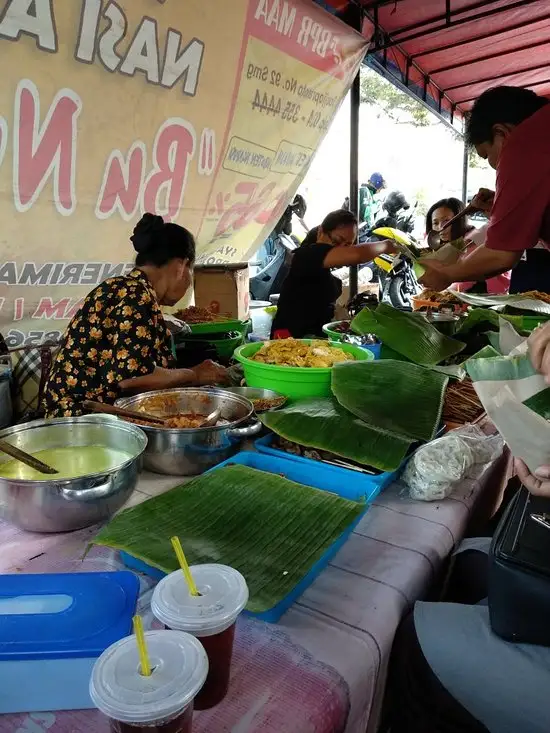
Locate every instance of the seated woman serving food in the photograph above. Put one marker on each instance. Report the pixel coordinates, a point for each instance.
(118, 340)
(310, 291)
(438, 216)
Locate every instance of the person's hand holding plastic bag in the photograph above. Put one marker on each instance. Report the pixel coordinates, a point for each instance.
(539, 350)
(538, 483)
(515, 396)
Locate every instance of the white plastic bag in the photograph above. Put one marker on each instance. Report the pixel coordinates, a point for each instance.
(507, 385)
(436, 469)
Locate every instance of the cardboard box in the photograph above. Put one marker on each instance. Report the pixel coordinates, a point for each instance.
(223, 289)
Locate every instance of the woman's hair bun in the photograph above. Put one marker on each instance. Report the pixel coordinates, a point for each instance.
(147, 231)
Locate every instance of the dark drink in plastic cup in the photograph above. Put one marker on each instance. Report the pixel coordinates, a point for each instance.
(159, 703)
(182, 724)
(210, 617)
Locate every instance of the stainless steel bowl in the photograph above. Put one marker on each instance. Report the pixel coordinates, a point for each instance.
(256, 393)
(189, 452)
(446, 323)
(62, 505)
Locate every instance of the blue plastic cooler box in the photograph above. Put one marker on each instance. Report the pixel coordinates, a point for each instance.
(323, 477)
(52, 629)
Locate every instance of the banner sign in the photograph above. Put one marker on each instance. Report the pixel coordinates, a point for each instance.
(206, 112)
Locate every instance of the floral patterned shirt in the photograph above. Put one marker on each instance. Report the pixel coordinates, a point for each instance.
(118, 333)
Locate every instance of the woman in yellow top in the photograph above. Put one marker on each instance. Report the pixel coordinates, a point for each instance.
(118, 340)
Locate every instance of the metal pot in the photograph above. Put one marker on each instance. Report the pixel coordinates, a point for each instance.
(51, 505)
(446, 323)
(257, 393)
(189, 452)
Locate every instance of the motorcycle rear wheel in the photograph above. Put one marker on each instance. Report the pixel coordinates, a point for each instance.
(398, 293)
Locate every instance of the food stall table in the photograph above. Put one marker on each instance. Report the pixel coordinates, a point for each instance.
(322, 668)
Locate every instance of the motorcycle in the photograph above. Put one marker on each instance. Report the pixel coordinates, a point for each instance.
(398, 281)
(270, 266)
(395, 274)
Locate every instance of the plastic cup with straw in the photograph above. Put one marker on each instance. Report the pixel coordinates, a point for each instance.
(149, 681)
(184, 565)
(145, 665)
(210, 615)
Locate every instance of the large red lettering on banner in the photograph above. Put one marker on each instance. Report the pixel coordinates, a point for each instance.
(172, 153)
(121, 187)
(41, 151)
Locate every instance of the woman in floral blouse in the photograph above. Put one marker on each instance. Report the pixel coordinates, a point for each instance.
(118, 340)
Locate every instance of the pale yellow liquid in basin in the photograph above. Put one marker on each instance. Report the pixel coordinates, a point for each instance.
(69, 462)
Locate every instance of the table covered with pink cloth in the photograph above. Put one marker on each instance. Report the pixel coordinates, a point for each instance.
(322, 668)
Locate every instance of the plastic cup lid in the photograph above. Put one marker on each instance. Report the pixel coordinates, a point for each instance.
(223, 595)
(121, 692)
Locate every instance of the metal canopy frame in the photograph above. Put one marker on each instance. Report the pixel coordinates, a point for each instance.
(436, 50)
(470, 27)
(445, 20)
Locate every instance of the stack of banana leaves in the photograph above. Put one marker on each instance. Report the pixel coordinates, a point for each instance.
(379, 409)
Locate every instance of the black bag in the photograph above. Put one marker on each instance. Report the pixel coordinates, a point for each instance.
(519, 573)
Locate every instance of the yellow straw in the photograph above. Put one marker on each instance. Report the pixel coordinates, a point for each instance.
(176, 544)
(142, 647)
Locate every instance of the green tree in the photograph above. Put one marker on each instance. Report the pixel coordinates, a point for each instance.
(398, 106)
(403, 109)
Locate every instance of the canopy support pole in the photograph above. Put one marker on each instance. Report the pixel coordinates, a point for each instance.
(465, 166)
(355, 103)
(356, 21)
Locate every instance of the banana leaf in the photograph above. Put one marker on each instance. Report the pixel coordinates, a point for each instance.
(407, 333)
(325, 425)
(454, 371)
(540, 403)
(486, 367)
(387, 352)
(485, 317)
(404, 400)
(487, 352)
(269, 528)
(517, 301)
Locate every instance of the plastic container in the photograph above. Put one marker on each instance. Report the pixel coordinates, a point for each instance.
(355, 485)
(210, 617)
(161, 702)
(53, 627)
(217, 327)
(375, 349)
(335, 336)
(296, 383)
(456, 306)
(323, 478)
(261, 318)
(224, 343)
(445, 323)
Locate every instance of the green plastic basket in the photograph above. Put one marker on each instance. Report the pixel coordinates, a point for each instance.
(217, 327)
(295, 383)
(226, 347)
(224, 343)
(333, 335)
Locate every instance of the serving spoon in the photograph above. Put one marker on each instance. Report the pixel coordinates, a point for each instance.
(26, 458)
(104, 408)
(212, 419)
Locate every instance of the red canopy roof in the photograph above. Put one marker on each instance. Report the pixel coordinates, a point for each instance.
(453, 50)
